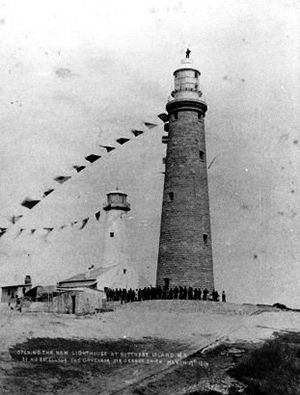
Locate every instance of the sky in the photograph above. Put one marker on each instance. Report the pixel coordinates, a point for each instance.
(77, 74)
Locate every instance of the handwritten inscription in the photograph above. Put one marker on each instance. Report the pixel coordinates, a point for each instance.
(105, 357)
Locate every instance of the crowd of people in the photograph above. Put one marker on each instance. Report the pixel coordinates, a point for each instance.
(151, 293)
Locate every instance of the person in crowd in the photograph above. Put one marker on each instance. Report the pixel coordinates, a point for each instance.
(176, 290)
(152, 293)
(180, 292)
(139, 295)
(205, 293)
(199, 294)
(195, 293)
(212, 295)
(223, 296)
(159, 292)
(185, 292)
(217, 296)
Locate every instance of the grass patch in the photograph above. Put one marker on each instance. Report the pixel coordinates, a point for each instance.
(272, 369)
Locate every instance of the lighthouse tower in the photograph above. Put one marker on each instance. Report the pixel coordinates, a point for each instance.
(115, 257)
(185, 248)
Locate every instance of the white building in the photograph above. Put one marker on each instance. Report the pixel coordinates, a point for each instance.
(115, 270)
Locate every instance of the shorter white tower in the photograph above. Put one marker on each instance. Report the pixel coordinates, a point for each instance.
(116, 254)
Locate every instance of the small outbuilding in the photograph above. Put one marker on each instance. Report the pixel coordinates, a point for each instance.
(11, 292)
(78, 301)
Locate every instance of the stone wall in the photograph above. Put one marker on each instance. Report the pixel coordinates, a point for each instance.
(86, 302)
(185, 251)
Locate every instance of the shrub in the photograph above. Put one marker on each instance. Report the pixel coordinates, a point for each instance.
(273, 369)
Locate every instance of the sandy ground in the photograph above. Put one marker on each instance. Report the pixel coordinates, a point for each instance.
(186, 326)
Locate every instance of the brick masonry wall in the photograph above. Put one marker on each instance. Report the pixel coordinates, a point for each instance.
(184, 256)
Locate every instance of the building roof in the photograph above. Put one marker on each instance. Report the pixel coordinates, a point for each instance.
(16, 286)
(186, 64)
(40, 290)
(63, 290)
(89, 276)
(117, 191)
(75, 284)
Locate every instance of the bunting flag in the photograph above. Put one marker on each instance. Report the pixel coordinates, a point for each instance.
(2, 231)
(150, 125)
(97, 215)
(46, 193)
(122, 140)
(62, 179)
(79, 168)
(29, 203)
(107, 147)
(163, 117)
(136, 132)
(49, 230)
(92, 158)
(84, 222)
(32, 231)
(15, 218)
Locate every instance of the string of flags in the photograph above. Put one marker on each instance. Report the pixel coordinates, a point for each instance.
(91, 158)
(31, 231)
(61, 179)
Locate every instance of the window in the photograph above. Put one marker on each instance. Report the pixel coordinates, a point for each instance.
(200, 115)
(24, 290)
(124, 271)
(201, 155)
(205, 238)
(8, 292)
(196, 74)
(171, 195)
(112, 234)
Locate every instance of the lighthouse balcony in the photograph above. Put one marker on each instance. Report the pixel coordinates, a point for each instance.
(185, 102)
(116, 206)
